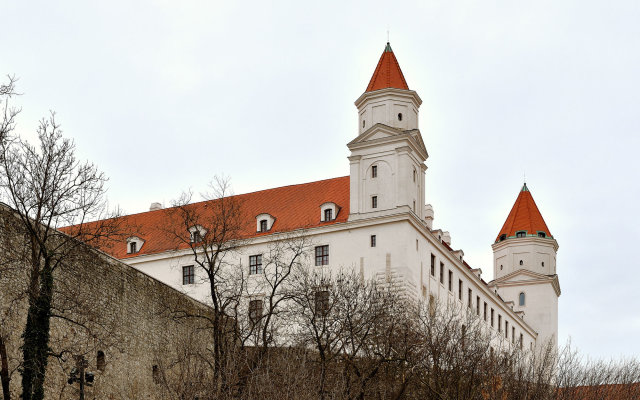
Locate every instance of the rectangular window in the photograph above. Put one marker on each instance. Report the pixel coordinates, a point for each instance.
(469, 297)
(133, 247)
(506, 329)
(196, 237)
(374, 201)
(499, 323)
(442, 273)
(255, 264)
(460, 289)
(450, 281)
(322, 255)
(513, 334)
(492, 317)
(328, 214)
(373, 240)
(477, 305)
(263, 225)
(322, 302)
(521, 340)
(485, 311)
(433, 265)
(374, 171)
(188, 276)
(255, 310)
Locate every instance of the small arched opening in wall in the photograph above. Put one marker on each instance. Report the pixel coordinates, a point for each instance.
(100, 361)
(521, 299)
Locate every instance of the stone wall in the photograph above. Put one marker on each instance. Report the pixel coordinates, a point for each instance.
(103, 306)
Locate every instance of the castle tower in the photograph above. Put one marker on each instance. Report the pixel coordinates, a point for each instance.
(524, 267)
(388, 155)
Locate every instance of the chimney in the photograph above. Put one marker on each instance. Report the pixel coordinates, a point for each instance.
(446, 237)
(428, 215)
(155, 207)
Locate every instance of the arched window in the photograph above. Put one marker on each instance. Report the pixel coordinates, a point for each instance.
(521, 263)
(100, 362)
(521, 299)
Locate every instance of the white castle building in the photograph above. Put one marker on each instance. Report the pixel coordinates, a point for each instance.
(376, 221)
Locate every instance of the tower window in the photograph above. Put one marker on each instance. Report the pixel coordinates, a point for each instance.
(503, 237)
(322, 255)
(255, 264)
(469, 298)
(399, 116)
(521, 299)
(521, 234)
(363, 123)
(373, 240)
(374, 171)
(263, 225)
(442, 273)
(374, 201)
(433, 265)
(414, 174)
(543, 264)
(501, 267)
(542, 234)
(188, 276)
(521, 263)
(328, 214)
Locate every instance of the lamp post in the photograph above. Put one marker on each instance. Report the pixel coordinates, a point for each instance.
(78, 374)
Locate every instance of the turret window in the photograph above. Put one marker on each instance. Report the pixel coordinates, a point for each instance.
(503, 237)
(521, 234)
(521, 299)
(399, 116)
(521, 262)
(542, 234)
(543, 264)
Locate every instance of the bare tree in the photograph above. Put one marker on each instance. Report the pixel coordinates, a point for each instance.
(47, 188)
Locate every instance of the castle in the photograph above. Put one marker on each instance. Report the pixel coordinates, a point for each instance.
(375, 221)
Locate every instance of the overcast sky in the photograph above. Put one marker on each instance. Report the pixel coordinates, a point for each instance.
(164, 95)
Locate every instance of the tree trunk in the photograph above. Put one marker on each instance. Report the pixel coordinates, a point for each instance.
(4, 371)
(36, 338)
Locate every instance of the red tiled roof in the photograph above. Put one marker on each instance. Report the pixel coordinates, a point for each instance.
(387, 73)
(524, 216)
(293, 207)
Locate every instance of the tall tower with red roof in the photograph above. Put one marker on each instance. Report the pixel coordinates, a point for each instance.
(388, 155)
(524, 267)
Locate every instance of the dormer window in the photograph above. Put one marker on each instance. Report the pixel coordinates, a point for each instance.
(503, 237)
(542, 234)
(196, 234)
(521, 234)
(374, 171)
(264, 222)
(328, 212)
(134, 244)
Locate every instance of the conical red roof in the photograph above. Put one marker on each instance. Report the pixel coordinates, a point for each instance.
(524, 216)
(387, 73)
